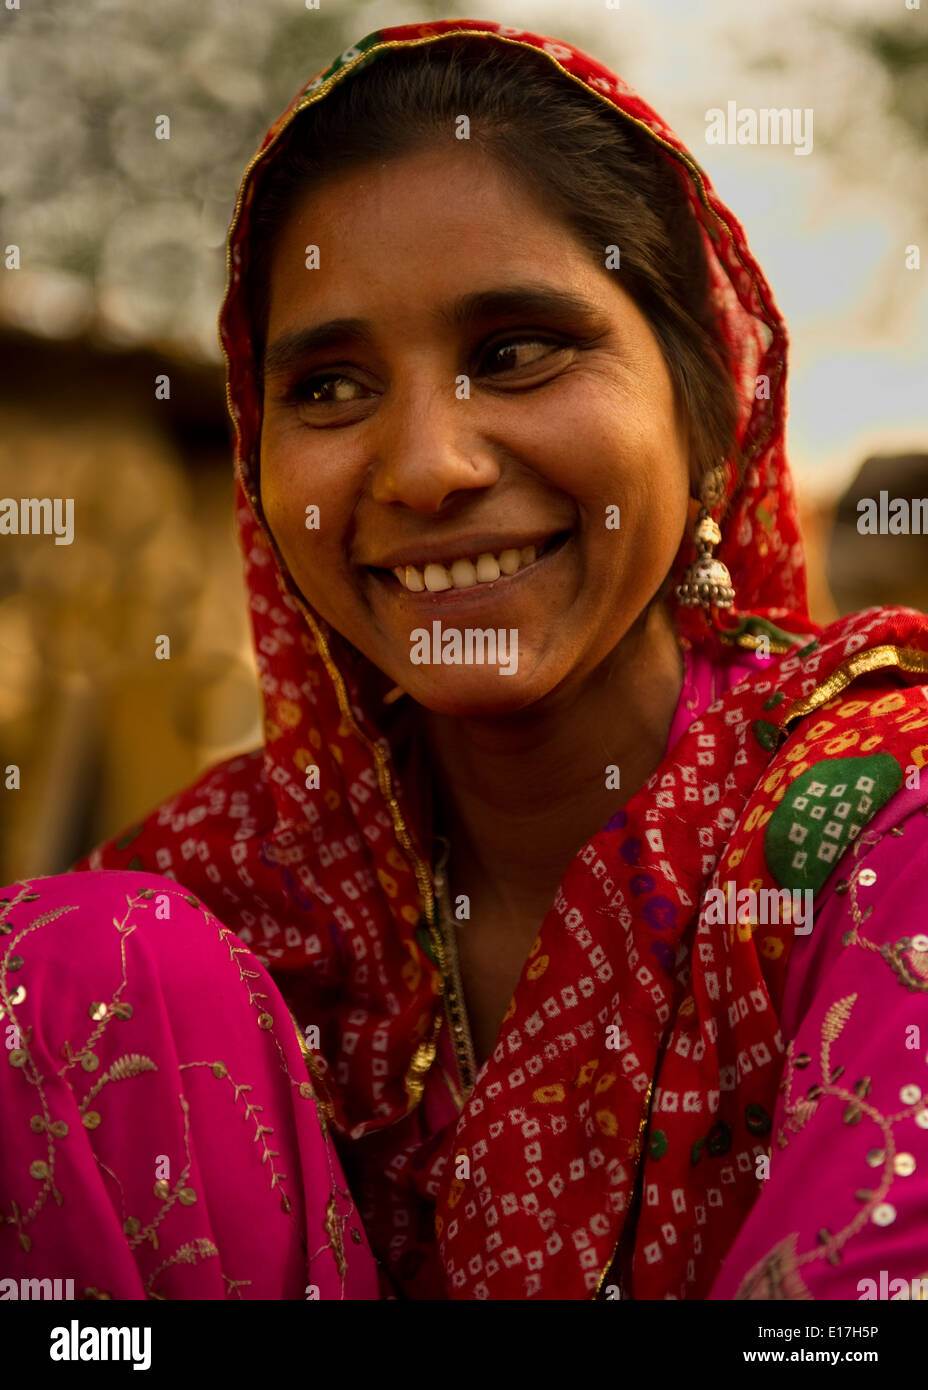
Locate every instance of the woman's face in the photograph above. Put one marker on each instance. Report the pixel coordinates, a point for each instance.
(457, 378)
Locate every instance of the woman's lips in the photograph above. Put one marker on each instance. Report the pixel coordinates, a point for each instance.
(464, 572)
(480, 590)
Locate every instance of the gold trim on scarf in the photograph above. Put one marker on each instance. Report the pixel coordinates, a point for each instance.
(751, 642)
(639, 1144)
(873, 659)
(427, 1051)
(461, 1034)
(419, 1067)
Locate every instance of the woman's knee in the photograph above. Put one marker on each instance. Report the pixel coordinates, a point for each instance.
(87, 948)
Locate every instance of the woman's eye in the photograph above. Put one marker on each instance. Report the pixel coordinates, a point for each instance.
(330, 389)
(518, 352)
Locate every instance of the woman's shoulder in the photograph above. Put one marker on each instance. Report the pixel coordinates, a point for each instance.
(231, 798)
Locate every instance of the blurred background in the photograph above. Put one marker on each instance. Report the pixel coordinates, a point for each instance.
(120, 276)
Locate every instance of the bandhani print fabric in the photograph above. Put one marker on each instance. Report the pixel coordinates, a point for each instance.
(700, 1040)
(615, 1136)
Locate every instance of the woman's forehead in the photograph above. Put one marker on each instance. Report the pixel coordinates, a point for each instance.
(448, 228)
(455, 184)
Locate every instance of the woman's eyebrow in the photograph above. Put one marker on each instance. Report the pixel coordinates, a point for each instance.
(289, 349)
(541, 300)
(546, 301)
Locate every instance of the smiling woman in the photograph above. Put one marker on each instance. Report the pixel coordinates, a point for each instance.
(508, 392)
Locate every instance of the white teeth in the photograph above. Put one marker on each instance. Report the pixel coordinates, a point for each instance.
(487, 568)
(436, 578)
(465, 573)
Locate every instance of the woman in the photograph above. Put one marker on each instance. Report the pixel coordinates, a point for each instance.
(575, 849)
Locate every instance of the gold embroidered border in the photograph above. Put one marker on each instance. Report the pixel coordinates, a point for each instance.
(874, 659)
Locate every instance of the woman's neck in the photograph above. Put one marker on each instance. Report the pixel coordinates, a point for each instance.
(519, 797)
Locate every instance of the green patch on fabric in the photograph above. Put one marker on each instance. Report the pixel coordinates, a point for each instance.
(757, 1119)
(767, 734)
(345, 58)
(753, 626)
(776, 698)
(130, 835)
(808, 649)
(657, 1146)
(136, 863)
(719, 1141)
(822, 814)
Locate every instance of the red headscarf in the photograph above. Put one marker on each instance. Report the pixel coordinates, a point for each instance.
(630, 1004)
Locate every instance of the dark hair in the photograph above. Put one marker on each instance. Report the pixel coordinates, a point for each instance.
(604, 178)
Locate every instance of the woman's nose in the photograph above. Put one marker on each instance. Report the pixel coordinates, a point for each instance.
(428, 447)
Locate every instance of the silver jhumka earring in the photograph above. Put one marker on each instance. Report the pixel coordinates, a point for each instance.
(707, 582)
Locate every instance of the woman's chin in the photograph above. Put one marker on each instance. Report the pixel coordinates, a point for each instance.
(477, 692)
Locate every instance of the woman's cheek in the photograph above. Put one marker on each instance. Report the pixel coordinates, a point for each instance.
(288, 515)
(307, 525)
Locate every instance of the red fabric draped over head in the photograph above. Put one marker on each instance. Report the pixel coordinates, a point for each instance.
(332, 889)
(321, 708)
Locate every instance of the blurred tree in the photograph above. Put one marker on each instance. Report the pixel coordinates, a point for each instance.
(904, 55)
(868, 83)
(121, 234)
